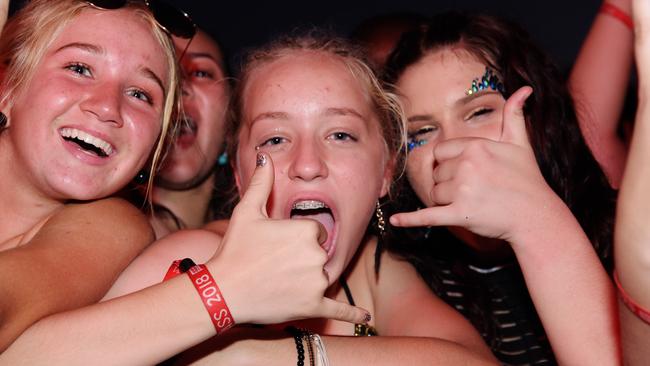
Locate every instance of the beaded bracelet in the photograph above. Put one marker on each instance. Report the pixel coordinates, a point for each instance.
(297, 337)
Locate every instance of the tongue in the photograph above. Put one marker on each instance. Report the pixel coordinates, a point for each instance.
(325, 218)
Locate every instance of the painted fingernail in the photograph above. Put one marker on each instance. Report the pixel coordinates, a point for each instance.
(367, 318)
(261, 160)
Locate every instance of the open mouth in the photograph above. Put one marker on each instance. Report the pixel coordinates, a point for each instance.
(86, 142)
(187, 126)
(319, 211)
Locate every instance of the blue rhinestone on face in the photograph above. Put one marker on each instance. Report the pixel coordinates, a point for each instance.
(488, 80)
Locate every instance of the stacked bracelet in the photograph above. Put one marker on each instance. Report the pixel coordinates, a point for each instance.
(297, 337)
(618, 13)
(207, 288)
(315, 347)
(321, 354)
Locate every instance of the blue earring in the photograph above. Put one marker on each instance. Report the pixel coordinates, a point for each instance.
(223, 159)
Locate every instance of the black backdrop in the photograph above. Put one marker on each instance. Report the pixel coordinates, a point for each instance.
(559, 26)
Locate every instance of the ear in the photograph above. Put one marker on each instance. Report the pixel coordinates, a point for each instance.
(235, 172)
(5, 106)
(387, 179)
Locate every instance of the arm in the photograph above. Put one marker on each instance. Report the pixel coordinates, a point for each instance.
(495, 190)
(64, 265)
(598, 84)
(632, 235)
(415, 327)
(151, 325)
(267, 347)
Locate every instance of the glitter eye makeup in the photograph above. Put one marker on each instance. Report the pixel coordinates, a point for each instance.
(489, 80)
(414, 142)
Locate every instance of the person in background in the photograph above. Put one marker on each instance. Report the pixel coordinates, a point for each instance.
(379, 34)
(195, 180)
(598, 84)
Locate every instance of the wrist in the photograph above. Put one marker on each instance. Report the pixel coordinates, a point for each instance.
(547, 218)
(618, 10)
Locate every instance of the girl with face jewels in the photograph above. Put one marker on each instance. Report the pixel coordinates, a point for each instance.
(518, 210)
(85, 106)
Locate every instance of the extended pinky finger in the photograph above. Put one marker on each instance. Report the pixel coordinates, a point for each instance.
(430, 216)
(332, 309)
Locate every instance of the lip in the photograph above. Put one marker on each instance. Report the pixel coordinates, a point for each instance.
(83, 155)
(187, 136)
(330, 243)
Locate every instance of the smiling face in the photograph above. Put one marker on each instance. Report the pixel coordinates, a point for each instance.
(308, 112)
(205, 97)
(439, 108)
(87, 121)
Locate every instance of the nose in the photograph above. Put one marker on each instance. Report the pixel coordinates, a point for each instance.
(307, 162)
(104, 102)
(186, 88)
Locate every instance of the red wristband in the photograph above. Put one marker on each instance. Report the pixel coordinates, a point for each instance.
(173, 271)
(616, 12)
(635, 308)
(214, 302)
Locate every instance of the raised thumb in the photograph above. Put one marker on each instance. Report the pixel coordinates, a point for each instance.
(514, 122)
(258, 190)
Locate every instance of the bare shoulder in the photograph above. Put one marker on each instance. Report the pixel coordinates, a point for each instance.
(114, 217)
(151, 266)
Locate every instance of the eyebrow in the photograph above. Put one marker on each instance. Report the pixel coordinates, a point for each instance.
(271, 115)
(420, 118)
(94, 49)
(343, 112)
(202, 55)
(83, 46)
(468, 98)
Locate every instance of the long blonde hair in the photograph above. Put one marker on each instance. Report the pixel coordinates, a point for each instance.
(29, 33)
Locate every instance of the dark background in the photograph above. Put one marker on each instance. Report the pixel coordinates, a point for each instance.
(559, 26)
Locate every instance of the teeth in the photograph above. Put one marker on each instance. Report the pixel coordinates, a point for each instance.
(87, 138)
(309, 205)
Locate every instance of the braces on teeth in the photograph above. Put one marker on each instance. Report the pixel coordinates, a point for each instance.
(309, 205)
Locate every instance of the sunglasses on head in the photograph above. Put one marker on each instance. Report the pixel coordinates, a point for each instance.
(172, 20)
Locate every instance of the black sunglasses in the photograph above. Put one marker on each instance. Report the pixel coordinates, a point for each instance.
(172, 20)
